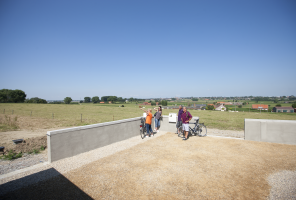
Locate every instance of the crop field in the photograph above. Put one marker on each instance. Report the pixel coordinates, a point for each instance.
(22, 116)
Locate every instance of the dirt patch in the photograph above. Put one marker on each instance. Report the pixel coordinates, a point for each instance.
(32, 139)
(28, 145)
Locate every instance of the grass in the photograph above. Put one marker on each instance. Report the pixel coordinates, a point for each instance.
(8, 123)
(11, 155)
(70, 115)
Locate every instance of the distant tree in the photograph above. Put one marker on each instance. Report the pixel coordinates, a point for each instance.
(113, 99)
(12, 96)
(194, 99)
(95, 99)
(175, 99)
(104, 98)
(86, 99)
(119, 99)
(131, 99)
(278, 105)
(294, 105)
(275, 101)
(240, 106)
(244, 103)
(210, 107)
(81, 101)
(67, 100)
(164, 102)
(35, 100)
(292, 97)
(153, 103)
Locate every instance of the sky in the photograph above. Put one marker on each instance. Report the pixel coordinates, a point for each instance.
(54, 49)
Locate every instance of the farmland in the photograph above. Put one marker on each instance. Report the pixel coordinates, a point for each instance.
(47, 116)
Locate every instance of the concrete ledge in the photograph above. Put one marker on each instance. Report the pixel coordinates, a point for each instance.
(72, 141)
(266, 130)
(91, 126)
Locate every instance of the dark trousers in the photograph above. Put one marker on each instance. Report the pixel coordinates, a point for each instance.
(148, 128)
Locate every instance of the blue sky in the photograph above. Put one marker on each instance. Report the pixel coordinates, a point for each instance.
(52, 49)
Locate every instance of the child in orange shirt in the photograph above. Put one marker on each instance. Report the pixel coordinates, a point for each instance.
(148, 122)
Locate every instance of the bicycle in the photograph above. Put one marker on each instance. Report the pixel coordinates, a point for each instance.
(142, 128)
(199, 129)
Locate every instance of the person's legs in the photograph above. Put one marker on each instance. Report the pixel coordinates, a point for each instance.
(150, 127)
(158, 125)
(147, 129)
(186, 130)
(155, 124)
(179, 124)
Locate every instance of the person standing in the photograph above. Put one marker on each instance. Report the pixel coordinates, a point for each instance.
(148, 122)
(179, 122)
(186, 117)
(157, 118)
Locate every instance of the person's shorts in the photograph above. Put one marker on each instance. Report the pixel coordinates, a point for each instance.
(178, 124)
(185, 127)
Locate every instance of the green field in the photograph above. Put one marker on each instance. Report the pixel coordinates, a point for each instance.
(63, 115)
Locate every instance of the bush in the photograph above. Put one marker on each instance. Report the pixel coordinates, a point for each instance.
(164, 103)
(153, 103)
(95, 99)
(210, 107)
(67, 100)
(122, 105)
(278, 105)
(35, 100)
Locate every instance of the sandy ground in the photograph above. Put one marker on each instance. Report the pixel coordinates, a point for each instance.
(169, 168)
(34, 139)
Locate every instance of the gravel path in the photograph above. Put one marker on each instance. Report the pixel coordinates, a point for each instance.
(283, 185)
(7, 166)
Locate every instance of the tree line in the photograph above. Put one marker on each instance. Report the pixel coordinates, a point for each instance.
(12, 96)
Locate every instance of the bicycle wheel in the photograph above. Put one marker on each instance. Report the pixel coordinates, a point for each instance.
(142, 132)
(202, 131)
(142, 129)
(180, 131)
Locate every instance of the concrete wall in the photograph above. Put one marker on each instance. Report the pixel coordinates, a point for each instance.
(277, 131)
(70, 142)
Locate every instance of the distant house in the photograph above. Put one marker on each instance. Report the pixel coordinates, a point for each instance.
(220, 107)
(260, 106)
(228, 103)
(102, 102)
(146, 103)
(283, 109)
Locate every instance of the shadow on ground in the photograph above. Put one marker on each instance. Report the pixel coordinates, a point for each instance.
(28, 187)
